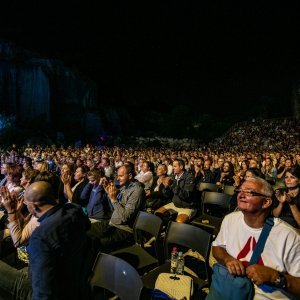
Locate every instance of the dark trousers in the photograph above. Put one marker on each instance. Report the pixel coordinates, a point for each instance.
(108, 238)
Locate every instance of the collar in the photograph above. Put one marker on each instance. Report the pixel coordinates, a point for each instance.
(50, 212)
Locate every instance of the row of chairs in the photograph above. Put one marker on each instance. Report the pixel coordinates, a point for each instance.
(130, 270)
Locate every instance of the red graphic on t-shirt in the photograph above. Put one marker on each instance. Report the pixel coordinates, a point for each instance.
(246, 250)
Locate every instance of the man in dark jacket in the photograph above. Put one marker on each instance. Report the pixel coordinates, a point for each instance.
(60, 255)
(183, 188)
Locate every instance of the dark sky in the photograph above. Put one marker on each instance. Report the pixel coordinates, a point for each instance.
(161, 54)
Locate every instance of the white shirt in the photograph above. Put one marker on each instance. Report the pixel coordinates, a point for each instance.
(281, 252)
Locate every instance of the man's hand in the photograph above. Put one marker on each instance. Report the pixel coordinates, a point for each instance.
(260, 274)
(235, 267)
(112, 192)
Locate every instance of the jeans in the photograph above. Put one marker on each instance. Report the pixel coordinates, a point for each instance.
(14, 284)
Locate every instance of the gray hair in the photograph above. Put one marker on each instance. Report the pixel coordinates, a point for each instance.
(266, 186)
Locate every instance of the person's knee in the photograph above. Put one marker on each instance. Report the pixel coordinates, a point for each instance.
(182, 218)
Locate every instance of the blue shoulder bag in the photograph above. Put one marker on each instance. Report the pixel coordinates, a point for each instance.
(226, 286)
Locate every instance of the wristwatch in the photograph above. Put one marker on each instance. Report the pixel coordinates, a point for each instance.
(280, 281)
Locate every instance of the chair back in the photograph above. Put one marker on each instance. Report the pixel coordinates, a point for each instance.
(116, 275)
(205, 186)
(229, 190)
(216, 204)
(191, 237)
(147, 222)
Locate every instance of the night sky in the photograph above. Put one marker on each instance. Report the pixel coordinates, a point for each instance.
(158, 54)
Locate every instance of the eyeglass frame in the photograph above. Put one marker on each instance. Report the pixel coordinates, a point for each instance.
(251, 193)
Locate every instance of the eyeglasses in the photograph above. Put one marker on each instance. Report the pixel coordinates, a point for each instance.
(250, 193)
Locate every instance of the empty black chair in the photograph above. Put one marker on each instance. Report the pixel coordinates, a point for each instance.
(137, 255)
(117, 276)
(214, 207)
(188, 237)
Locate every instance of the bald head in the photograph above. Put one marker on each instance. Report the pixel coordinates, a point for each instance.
(40, 192)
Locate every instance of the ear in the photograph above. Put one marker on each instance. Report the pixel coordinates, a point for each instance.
(267, 202)
(36, 206)
(130, 176)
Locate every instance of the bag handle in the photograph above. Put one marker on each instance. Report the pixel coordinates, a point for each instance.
(261, 241)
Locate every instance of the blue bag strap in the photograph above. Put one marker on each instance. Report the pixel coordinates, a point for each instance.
(261, 241)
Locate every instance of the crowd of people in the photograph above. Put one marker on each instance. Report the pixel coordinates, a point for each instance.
(49, 192)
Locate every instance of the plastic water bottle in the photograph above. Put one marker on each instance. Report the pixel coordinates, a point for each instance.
(180, 264)
(174, 257)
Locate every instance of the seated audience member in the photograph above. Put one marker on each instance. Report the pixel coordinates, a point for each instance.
(4, 169)
(14, 174)
(250, 173)
(226, 174)
(94, 196)
(207, 174)
(126, 203)
(67, 171)
(108, 170)
(57, 249)
(196, 170)
(287, 201)
(74, 192)
(27, 163)
(183, 189)
(158, 195)
(218, 170)
(279, 264)
(281, 171)
(269, 171)
(168, 163)
(145, 176)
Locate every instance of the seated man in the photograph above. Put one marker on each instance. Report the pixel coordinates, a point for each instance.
(125, 204)
(183, 189)
(59, 251)
(279, 264)
(95, 196)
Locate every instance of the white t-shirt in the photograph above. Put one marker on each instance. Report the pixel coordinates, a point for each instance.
(281, 252)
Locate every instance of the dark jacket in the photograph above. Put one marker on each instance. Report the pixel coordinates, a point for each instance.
(97, 201)
(57, 252)
(184, 190)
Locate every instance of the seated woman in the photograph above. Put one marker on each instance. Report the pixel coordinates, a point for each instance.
(67, 172)
(74, 192)
(156, 195)
(269, 170)
(287, 201)
(19, 223)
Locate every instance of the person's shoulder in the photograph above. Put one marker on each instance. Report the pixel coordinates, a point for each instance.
(285, 228)
(233, 216)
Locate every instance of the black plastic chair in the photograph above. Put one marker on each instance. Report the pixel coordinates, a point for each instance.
(229, 190)
(205, 186)
(117, 276)
(137, 255)
(188, 237)
(214, 207)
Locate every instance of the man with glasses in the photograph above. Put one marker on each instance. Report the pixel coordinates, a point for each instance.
(279, 264)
